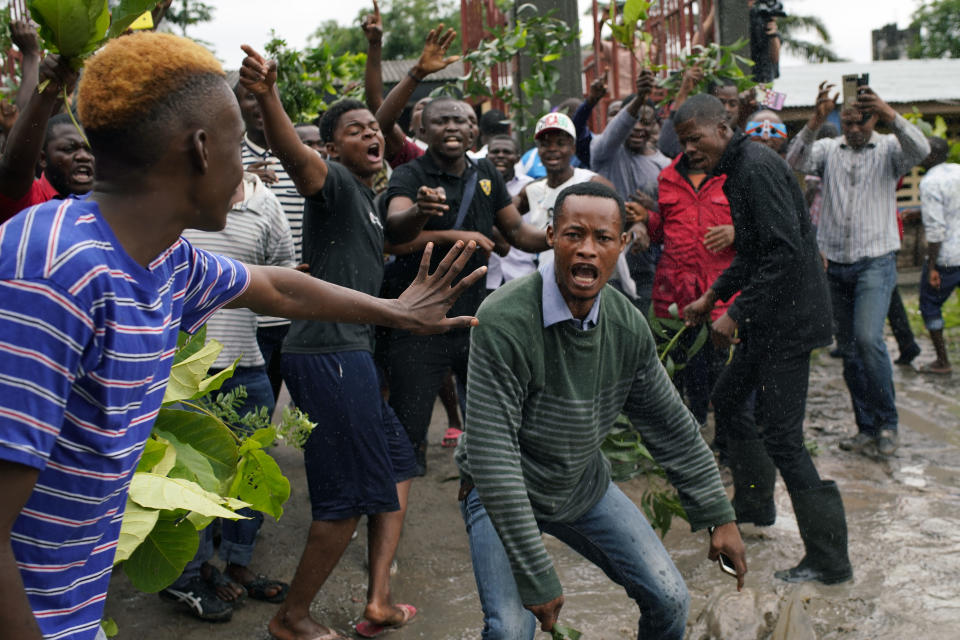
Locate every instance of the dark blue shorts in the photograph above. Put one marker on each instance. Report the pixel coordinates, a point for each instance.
(359, 451)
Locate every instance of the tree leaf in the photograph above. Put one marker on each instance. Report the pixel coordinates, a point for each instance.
(189, 344)
(160, 492)
(137, 524)
(192, 465)
(186, 375)
(160, 560)
(208, 435)
(69, 27)
(261, 483)
(214, 382)
(153, 453)
(126, 14)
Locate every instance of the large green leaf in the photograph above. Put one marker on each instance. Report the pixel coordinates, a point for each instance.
(188, 344)
(126, 14)
(214, 382)
(208, 435)
(260, 482)
(153, 453)
(160, 560)
(186, 375)
(71, 28)
(160, 492)
(192, 465)
(136, 526)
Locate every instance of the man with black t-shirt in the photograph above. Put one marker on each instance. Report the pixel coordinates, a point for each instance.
(444, 194)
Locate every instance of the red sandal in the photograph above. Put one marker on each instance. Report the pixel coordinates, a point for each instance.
(451, 437)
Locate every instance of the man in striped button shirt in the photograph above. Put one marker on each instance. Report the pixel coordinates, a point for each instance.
(858, 239)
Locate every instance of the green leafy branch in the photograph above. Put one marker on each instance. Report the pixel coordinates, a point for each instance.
(305, 78)
(719, 64)
(635, 12)
(195, 468)
(543, 39)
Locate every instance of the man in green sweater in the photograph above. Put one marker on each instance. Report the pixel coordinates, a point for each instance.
(556, 357)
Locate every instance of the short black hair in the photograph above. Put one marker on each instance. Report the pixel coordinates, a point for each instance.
(703, 108)
(939, 149)
(430, 106)
(52, 123)
(721, 83)
(504, 136)
(493, 123)
(331, 117)
(593, 190)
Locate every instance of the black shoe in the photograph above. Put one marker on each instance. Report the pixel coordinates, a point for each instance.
(857, 443)
(200, 598)
(823, 527)
(887, 442)
(907, 355)
(804, 572)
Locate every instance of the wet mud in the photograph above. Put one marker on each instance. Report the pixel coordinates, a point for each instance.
(903, 515)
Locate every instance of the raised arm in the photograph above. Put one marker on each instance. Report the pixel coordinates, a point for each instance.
(25, 140)
(605, 144)
(24, 35)
(800, 154)
(305, 166)
(913, 144)
(433, 58)
(372, 75)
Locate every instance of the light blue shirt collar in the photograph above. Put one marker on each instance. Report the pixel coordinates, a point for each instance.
(555, 308)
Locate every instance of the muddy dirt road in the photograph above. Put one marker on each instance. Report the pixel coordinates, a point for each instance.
(903, 515)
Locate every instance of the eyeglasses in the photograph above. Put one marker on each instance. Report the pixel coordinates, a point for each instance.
(757, 129)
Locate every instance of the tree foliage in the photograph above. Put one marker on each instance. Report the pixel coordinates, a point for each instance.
(938, 30)
(188, 13)
(793, 27)
(305, 78)
(405, 25)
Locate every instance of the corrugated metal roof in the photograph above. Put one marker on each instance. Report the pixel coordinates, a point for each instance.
(896, 81)
(394, 70)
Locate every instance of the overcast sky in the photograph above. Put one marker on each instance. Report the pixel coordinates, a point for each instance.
(250, 21)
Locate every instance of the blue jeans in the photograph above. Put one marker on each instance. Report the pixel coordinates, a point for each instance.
(613, 535)
(860, 293)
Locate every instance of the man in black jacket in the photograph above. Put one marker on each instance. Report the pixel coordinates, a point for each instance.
(781, 314)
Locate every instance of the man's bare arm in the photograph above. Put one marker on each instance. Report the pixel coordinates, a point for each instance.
(304, 165)
(16, 618)
(422, 308)
(518, 233)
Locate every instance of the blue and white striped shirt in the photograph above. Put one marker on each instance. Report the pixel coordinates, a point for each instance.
(87, 338)
(858, 216)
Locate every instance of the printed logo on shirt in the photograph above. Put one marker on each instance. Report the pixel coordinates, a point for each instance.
(486, 186)
(375, 220)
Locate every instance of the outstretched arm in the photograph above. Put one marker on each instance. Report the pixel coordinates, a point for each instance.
(305, 167)
(422, 308)
(432, 59)
(25, 141)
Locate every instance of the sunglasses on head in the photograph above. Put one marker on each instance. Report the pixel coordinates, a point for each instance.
(772, 129)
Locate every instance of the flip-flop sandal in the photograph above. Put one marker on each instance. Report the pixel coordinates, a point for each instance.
(367, 629)
(451, 437)
(259, 587)
(217, 579)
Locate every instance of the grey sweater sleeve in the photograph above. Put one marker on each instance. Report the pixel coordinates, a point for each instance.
(672, 436)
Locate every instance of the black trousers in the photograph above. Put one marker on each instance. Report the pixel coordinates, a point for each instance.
(781, 398)
(417, 365)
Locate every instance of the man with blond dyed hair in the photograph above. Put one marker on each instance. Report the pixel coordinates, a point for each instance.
(92, 295)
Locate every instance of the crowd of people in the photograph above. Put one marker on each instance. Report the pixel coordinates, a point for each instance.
(326, 256)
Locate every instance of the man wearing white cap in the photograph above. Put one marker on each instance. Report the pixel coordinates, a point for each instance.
(555, 137)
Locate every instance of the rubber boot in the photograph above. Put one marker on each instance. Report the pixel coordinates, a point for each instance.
(823, 527)
(754, 476)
